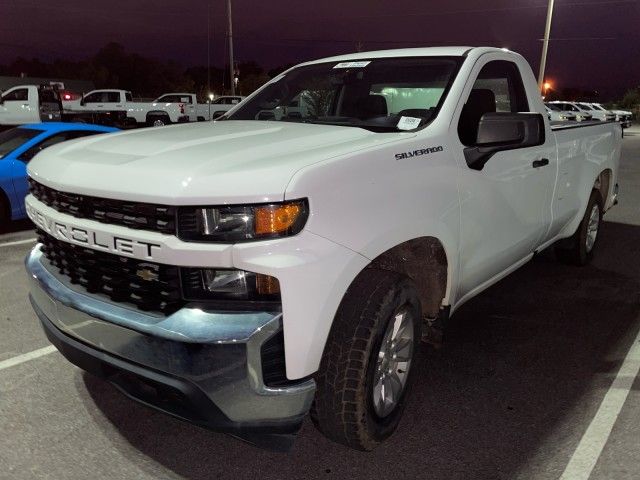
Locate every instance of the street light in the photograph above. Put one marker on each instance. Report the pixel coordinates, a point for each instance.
(545, 45)
(210, 101)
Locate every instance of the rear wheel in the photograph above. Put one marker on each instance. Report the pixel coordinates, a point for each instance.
(366, 369)
(156, 120)
(580, 248)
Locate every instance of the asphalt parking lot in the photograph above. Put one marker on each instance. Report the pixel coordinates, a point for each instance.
(537, 379)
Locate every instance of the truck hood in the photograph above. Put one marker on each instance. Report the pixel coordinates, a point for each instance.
(222, 162)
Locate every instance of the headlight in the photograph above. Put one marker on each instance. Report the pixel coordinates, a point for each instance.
(242, 223)
(224, 284)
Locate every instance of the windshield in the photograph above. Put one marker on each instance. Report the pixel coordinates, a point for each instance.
(14, 138)
(551, 106)
(584, 106)
(386, 94)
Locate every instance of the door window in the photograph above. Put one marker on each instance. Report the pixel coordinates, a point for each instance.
(174, 99)
(19, 95)
(112, 97)
(498, 88)
(95, 97)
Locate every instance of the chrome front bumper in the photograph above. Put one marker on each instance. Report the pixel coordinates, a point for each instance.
(202, 366)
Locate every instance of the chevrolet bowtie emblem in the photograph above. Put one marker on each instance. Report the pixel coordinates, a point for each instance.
(147, 274)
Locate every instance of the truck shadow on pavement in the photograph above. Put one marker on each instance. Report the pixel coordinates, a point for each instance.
(16, 226)
(522, 371)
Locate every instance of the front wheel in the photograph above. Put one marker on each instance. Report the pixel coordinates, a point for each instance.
(366, 370)
(580, 248)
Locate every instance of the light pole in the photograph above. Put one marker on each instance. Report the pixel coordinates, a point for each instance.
(208, 46)
(545, 45)
(231, 62)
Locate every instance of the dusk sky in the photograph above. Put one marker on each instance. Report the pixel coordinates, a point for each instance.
(596, 43)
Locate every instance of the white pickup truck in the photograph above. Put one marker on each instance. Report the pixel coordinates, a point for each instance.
(623, 116)
(157, 113)
(201, 111)
(25, 104)
(241, 273)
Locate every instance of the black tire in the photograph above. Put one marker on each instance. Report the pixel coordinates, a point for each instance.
(343, 409)
(5, 212)
(158, 120)
(575, 250)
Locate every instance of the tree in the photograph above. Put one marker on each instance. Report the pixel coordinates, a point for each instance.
(631, 99)
(252, 82)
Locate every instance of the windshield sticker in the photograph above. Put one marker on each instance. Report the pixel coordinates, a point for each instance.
(352, 64)
(409, 123)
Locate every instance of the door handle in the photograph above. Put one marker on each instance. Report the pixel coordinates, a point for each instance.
(540, 163)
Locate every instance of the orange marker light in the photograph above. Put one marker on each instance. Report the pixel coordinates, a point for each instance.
(276, 218)
(266, 285)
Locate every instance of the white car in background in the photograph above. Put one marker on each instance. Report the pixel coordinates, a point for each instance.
(557, 114)
(200, 111)
(582, 114)
(602, 115)
(622, 116)
(138, 113)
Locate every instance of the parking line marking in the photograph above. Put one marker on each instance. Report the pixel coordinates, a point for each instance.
(19, 242)
(25, 357)
(593, 441)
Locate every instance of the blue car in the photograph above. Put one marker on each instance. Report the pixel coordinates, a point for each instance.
(18, 146)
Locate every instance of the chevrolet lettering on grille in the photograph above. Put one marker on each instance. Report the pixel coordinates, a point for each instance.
(92, 239)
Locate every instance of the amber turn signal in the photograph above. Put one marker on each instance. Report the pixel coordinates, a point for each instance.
(276, 218)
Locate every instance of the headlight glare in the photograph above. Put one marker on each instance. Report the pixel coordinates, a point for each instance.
(230, 224)
(226, 284)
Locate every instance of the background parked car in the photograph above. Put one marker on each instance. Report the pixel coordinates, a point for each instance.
(18, 146)
(581, 114)
(598, 114)
(556, 114)
(26, 104)
(200, 111)
(222, 105)
(137, 113)
(622, 116)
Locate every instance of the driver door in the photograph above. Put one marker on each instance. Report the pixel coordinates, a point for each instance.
(505, 206)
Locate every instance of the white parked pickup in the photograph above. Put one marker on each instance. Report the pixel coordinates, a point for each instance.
(201, 111)
(156, 113)
(24, 104)
(622, 116)
(295, 252)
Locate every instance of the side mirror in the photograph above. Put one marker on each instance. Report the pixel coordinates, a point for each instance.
(500, 131)
(82, 102)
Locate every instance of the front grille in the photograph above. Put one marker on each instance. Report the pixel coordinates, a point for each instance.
(147, 286)
(141, 216)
